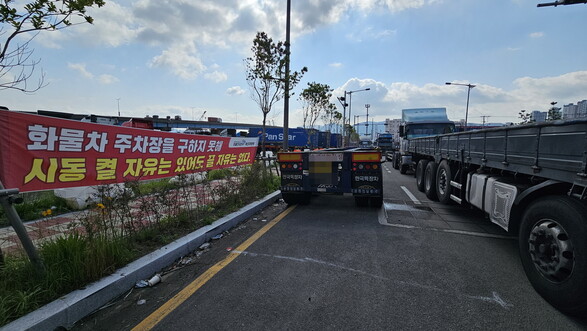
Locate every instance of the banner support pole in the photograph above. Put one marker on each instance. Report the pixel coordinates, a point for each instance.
(18, 226)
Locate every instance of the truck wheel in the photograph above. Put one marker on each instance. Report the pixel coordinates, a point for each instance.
(396, 161)
(290, 198)
(376, 202)
(305, 198)
(553, 251)
(403, 169)
(420, 169)
(443, 178)
(362, 201)
(430, 180)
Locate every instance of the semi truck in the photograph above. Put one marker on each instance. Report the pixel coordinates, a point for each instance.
(341, 171)
(531, 180)
(385, 142)
(418, 122)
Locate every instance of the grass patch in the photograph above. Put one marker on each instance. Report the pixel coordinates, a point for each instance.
(219, 174)
(105, 243)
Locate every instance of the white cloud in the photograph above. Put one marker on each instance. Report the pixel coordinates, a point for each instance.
(235, 90)
(216, 76)
(182, 60)
(335, 65)
(114, 25)
(536, 35)
(387, 100)
(81, 68)
(209, 24)
(107, 79)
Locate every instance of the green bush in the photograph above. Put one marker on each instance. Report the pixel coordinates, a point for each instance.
(148, 187)
(219, 174)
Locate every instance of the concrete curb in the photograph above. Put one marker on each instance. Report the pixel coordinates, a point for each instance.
(67, 310)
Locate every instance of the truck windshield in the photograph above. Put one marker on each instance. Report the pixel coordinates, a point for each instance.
(385, 140)
(428, 129)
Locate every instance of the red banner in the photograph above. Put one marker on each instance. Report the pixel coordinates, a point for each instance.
(42, 153)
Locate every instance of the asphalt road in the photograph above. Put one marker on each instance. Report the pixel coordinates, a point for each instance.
(412, 264)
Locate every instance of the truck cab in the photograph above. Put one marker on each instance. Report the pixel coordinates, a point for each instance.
(416, 123)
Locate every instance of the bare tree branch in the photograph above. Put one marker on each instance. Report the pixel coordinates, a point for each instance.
(16, 63)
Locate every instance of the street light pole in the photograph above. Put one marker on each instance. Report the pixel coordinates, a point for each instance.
(367, 122)
(470, 86)
(343, 103)
(350, 93)
(286, 87)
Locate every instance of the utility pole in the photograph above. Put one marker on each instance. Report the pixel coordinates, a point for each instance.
(285, 146)
(118, 101)
(367, 121)
(484, 117)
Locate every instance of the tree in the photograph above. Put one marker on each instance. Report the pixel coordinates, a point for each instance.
(554, 112)
(316, 103)
(16, 63)
(525, 117)
(265, 72)
(332, 119)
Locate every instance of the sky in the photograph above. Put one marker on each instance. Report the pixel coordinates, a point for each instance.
(186, 57)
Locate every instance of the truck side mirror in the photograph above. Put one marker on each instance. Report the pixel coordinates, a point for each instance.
(401, 131)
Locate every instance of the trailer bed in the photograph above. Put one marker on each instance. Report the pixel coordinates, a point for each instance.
(555, 150)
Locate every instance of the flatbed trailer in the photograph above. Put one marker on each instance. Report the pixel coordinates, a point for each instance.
(531, 180)
(343, 171)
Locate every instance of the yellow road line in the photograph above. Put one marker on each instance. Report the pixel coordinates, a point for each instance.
(158, 315)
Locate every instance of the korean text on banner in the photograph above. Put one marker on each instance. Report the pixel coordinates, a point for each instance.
(42, 153)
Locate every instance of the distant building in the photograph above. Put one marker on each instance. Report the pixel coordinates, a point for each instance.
(569, 111)
(572, 111)
(582, 108)
(538, 116)
(392, 126)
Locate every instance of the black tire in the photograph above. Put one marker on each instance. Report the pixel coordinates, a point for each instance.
(290, 198)
(443, 178)
(553, 251)
(396, 161)
(403, 169)
(376, 202)
(420, 169)
(296, 198)
(430, 180)
(362, 201)
(305, 198)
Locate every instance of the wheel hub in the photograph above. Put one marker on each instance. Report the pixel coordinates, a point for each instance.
(442, 181)
(551, 251)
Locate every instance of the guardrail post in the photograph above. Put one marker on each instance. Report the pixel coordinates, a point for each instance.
(21, 232)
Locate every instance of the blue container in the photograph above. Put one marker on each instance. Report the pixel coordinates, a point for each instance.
(297, 136)
(324, 139)
(335, 140)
